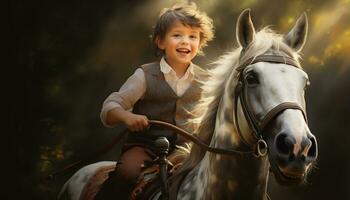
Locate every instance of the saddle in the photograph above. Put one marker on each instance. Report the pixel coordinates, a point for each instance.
(148, 183)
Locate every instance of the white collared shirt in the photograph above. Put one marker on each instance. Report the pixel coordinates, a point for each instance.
(134, 88)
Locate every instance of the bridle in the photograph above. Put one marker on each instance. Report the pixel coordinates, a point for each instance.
(257, 126)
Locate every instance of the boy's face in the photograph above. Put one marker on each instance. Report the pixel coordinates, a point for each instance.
(180, 44)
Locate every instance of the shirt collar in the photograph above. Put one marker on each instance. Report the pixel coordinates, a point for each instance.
(166, 68)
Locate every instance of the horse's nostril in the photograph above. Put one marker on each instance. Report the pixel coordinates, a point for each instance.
(284, 144)
(313, 149)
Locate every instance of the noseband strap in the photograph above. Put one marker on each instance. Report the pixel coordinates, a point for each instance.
(257, 126)
(277, 110)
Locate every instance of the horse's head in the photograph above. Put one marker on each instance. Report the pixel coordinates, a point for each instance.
(270, 94)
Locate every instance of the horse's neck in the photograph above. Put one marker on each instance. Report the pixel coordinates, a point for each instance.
(234, 177)
(226, 176)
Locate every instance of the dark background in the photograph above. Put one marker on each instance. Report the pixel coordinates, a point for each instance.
(70, 55)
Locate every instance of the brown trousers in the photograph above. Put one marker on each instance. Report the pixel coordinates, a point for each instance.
(121, 182)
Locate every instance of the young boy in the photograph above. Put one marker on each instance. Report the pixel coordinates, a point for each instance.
(160, 90)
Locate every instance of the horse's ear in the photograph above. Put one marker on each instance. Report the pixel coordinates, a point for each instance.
(297, 36)
(245, 31)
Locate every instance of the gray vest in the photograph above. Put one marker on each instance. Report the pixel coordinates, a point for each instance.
(160, 102)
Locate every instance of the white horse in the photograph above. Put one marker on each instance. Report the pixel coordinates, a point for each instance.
(254, 101)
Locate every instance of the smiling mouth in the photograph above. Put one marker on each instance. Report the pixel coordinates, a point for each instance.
(184, 51)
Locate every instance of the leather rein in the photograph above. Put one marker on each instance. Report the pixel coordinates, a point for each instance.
(259, 148)
(196, 140)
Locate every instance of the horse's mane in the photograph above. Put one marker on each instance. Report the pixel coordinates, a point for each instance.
(212, 82)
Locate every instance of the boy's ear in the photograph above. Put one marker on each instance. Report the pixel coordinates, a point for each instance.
(159, 43)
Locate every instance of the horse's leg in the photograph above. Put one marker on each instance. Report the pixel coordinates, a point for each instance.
(121, 181)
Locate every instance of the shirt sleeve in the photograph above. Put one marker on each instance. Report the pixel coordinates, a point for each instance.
(130, 92)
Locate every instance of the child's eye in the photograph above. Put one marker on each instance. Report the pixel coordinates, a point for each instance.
(176, 35)
(193, 37)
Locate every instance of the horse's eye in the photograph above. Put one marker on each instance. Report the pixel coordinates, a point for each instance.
(252, 78)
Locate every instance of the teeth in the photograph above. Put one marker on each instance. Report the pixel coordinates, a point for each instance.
(183, 50)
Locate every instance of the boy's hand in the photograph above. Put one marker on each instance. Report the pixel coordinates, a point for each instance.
(136, 123)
